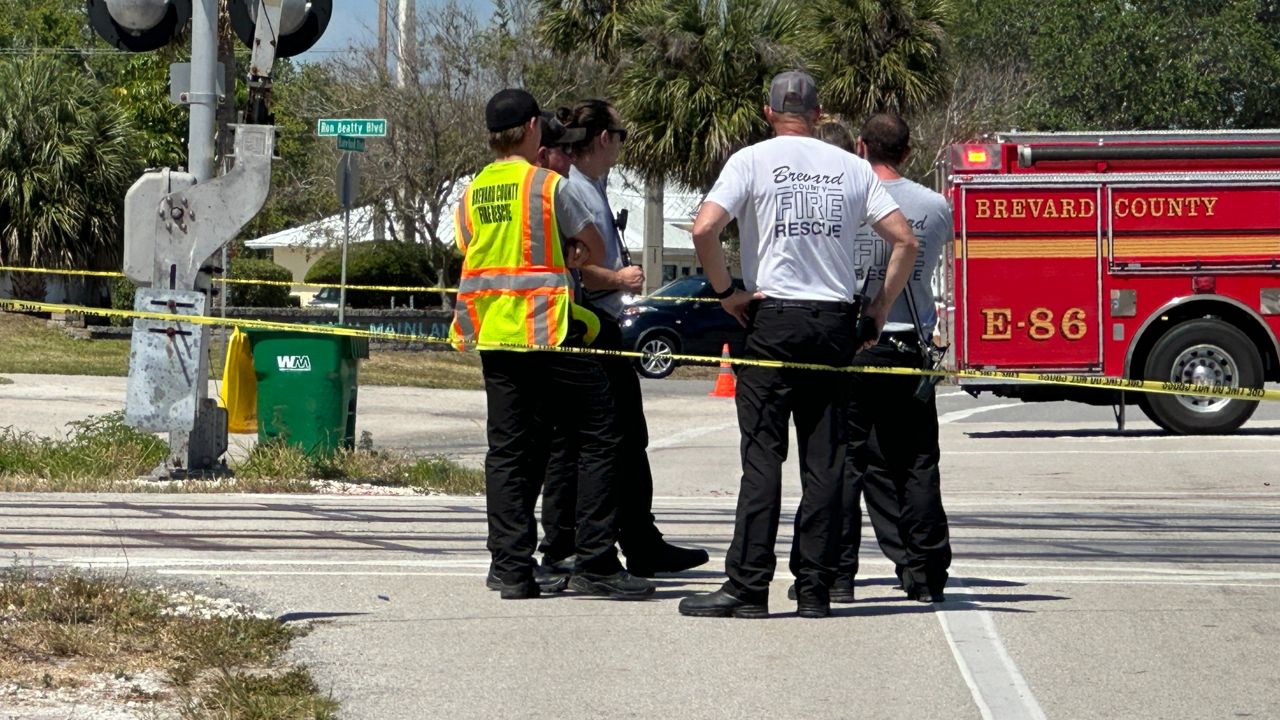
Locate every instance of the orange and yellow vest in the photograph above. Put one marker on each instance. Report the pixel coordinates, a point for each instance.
(515, 288)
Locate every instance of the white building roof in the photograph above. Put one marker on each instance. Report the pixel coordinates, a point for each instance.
(626, 191)
(322, 233)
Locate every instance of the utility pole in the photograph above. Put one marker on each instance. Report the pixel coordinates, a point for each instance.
(382, 35)
(653, 231)
(407, 46)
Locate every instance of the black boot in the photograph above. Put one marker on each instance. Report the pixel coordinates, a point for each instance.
(723, 603)
(841, 590)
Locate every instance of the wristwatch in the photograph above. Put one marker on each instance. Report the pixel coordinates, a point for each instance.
(728, 292)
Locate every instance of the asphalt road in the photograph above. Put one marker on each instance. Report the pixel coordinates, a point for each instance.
(1097, 575)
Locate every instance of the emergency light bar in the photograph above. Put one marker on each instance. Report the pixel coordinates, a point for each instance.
(1029, 155)
(971, 158)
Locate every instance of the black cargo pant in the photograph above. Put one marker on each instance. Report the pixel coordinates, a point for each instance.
(893, 461)
(637, 533)
(529, 393)
(767, 399)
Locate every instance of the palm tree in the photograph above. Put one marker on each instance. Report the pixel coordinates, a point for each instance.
(694, 79)
(65, 162)
(583, 27)
(877, 55)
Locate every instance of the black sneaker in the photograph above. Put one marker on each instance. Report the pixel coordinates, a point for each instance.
(723, 604)
(663, 557)
(523, 590)
(621, 585)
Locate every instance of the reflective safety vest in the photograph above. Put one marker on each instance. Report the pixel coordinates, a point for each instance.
(515, 288)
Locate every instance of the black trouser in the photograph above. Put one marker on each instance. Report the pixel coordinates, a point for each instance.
(893, 460)
(767, 398)
(637, 533)
(529, 393)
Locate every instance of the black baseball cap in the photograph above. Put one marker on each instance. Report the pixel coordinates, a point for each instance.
(509, 108)
(555, 134)
(793, 91)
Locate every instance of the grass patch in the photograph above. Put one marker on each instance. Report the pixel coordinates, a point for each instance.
(274, 464)
(31, 346)
(102, 454)
(442, 370)
(214, 660)
(97, 450)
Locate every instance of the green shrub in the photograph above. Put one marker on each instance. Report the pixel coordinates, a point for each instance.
(122, 291)
(265, 296)
(386, 262)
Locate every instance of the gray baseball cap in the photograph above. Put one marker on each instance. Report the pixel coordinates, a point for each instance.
(793, 91)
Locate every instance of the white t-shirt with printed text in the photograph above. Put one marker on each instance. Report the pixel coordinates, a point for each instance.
(799, 202)
(929, 216)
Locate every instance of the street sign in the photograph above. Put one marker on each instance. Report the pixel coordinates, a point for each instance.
(331, 127)
(350, 144)
(348, 180)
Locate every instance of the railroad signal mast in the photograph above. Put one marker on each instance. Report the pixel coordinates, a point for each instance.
(1150, 255)
(176, 220)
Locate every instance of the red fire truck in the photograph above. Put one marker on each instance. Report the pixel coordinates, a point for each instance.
(1138, 255)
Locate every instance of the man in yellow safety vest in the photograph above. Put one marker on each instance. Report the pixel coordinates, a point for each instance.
(515, 304)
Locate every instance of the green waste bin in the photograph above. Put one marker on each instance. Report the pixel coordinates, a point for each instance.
(307, 386)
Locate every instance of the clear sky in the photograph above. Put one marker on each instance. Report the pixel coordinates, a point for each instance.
(356, 22)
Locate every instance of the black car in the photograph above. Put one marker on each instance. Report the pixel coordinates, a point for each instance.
(692, 324)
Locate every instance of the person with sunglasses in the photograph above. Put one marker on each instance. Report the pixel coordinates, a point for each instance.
(605, 283)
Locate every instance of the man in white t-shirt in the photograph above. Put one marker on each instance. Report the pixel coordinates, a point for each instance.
(798, 202)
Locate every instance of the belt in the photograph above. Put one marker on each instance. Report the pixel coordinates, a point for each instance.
(828, 305)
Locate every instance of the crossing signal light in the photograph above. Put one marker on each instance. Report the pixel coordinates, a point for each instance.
(139, 25)
(302, 22)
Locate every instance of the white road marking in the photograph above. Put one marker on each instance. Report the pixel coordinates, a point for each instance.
(1075, 573)
(1131, 451)
(970, 412)
(339, 573)
(998, 688)
(690, 434)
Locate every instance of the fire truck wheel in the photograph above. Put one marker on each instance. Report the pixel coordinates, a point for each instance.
(1199, 352)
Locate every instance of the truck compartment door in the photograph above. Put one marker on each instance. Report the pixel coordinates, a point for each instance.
(1028, 262)
(1187, 227)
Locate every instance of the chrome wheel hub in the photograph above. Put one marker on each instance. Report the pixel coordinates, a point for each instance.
(1204, 365)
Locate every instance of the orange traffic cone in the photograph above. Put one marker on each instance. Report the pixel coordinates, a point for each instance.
(726, 385)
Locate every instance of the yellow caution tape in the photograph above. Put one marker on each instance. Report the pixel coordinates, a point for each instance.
(290, 283)
(58, 271)
(1086, 381)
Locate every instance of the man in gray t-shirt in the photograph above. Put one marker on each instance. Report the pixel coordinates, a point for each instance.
(893, 449)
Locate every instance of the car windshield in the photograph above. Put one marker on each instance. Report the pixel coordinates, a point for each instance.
(685, 287)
